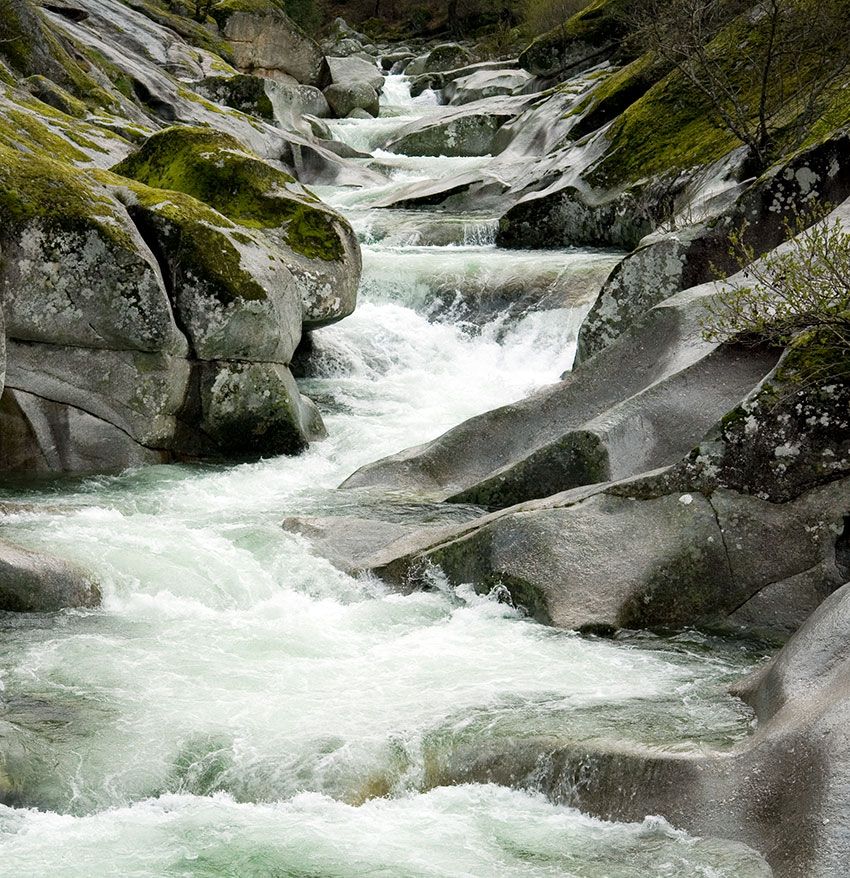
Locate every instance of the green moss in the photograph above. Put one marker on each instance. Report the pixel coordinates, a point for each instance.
(195, 235)
(55, 96)
(669, 128)
(214, 168)
(29, 48)
(60, 195)
(598, 25)
(673, 125)
(192, 31)
(616, 93)
(20, 129)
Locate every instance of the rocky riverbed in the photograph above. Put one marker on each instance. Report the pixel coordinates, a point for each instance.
(372, 499)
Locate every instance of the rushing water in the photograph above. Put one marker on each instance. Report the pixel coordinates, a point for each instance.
(238, 707)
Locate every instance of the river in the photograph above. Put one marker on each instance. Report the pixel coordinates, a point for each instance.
(238, 707)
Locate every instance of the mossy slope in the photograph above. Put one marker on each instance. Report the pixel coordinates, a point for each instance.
(214, 168)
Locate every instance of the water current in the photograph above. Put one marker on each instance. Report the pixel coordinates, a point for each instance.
(238, 707)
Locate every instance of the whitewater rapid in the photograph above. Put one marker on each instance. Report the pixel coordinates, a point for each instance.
(239, 707)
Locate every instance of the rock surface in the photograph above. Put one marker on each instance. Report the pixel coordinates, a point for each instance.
(140, 302)
(267, 42)
(34, 582)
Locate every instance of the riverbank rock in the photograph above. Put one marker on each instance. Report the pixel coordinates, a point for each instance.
(484, 84)
(320, 248)
(152, 313)
(621, 559)
(761, 212)
(35, 582)
(349, 71)
(345, 99)
(265, 41)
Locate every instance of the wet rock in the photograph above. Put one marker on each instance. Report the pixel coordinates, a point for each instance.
(351, 71)
(35, 582)
(416, 66)
(232, 290)
(565, 215)
(485, 84)
(39, 435)
(344, 99)
(255, 409)
(397, 61)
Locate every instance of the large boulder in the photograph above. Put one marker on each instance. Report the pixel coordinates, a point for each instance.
(243, 92)
(255, 405)
(75, 269)
(232, 290)
(344, 99)
(35, 582)
(446, 56)
(267, 42)
(346, 71)
(467, 131)
(590, 36)
(634, 555)
(568, 215)
(320, 248)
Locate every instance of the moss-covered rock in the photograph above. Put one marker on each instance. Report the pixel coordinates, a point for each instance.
(242, 92)
(30, 48)
(448, 56)
(215, 169)
(568, 217)
(231, 289)
(55, 96)
(591, 35)
(75, 270)
(762, 215)
(790, 435)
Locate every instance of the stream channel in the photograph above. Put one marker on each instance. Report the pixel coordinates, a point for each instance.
(238, 707)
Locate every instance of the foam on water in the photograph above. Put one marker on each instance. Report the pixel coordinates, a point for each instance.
(456, 832)
(236, 696)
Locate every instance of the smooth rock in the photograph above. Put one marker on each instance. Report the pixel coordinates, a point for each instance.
(343, 99)
(35, 582)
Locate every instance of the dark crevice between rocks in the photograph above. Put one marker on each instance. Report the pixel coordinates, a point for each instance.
(85, 411)
(148, 234)
(725, 551)
(842, 550)
(160, 108)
